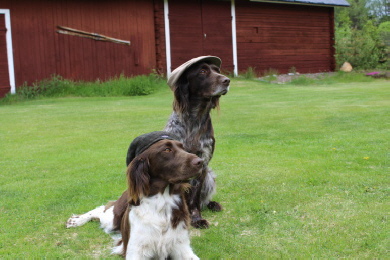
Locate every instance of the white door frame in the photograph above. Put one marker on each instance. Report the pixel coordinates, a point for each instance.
(10, 56)
(167, 38)
(234, 38)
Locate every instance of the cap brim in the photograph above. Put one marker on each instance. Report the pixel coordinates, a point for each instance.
(175, 75)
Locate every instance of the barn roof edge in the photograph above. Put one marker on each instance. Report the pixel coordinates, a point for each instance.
(309, 2)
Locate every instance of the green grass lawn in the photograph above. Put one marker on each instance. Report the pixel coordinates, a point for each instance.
(302, 171)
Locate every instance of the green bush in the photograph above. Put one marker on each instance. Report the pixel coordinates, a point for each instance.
(250, 73)
(57, 86)
(384, 34)
(362, 48)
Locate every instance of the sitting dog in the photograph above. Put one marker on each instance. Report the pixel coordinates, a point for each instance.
(198, 86)
(156, 220)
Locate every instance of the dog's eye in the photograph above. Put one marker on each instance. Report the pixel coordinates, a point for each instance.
(203, 71)
(168, 150)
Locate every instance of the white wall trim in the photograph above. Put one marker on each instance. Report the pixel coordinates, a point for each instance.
(10, 56)
(234, 38)
(167, 38)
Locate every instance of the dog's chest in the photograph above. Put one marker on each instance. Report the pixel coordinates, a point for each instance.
(196, 137)
(151, 226)
(153, 217)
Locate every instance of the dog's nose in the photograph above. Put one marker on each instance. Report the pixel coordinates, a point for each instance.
(226, 81)
(197, 161)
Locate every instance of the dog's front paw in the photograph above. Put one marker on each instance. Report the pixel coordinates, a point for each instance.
(214, 206)
(73, 221)
(200, 223)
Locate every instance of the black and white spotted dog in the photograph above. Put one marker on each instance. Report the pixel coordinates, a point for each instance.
(198, 86)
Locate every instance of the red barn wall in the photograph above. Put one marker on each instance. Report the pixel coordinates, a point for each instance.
(278, 36)
(200, 27)
(39, 51)
(282, 36)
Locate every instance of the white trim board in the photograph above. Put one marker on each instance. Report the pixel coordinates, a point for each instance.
(10, 56)
(167, 38)
(234, 38)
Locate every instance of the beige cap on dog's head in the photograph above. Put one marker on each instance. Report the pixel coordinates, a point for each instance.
(175, 75)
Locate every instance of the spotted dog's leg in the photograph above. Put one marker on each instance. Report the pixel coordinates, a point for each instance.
(208, 190)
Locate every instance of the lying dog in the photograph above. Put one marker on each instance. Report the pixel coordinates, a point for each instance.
(156, 220)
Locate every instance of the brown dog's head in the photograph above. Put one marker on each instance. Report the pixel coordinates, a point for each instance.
(202, 81)
(205, 80)
(163, 163)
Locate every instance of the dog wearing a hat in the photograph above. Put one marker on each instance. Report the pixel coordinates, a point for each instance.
(155, 223)
(197, 86)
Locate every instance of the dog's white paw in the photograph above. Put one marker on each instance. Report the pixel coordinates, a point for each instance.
(73, 221)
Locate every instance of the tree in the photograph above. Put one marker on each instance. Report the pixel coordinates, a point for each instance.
(356, 15)
(358, 38)
(379, 10)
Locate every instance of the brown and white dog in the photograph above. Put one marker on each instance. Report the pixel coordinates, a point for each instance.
(156, 219)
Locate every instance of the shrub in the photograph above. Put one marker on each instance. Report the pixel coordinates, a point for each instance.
(384, 34)
(250, 73)
(57, 86)
(270, 75)
(363, 48)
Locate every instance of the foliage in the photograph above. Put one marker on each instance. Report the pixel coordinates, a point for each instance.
(302, 171)
(292, 70)
(384, 28)
(329, 79)
(358, 38)
(250, 73)
(362, 48)
(354, 16)
(384, 33)
(60, 87)
(270, 72)
(379, 10)
(269, 75)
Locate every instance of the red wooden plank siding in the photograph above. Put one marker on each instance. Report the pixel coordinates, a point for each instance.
(217, 25)
(4, 76)
(199, 27)
(278, 36)
(332, 40)
(40, 52)
(284, 36)
(185, 21)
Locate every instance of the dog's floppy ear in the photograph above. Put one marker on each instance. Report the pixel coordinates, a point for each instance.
(138, 180)
(182, 93)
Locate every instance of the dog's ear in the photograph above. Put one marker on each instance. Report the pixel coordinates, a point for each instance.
(182, 93)
(138, 180)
